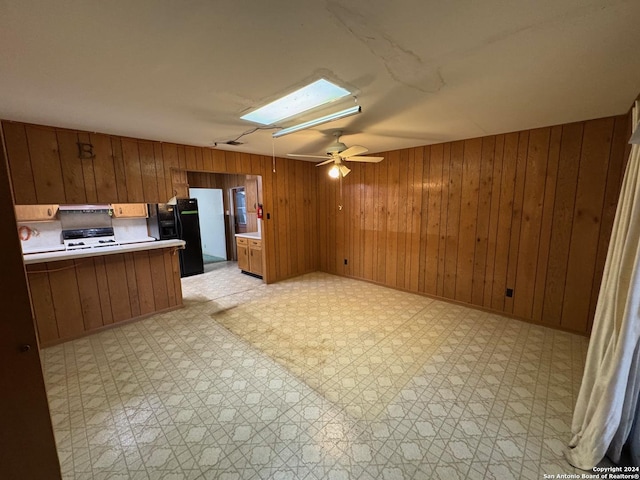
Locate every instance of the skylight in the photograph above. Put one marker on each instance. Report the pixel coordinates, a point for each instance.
(311, 96)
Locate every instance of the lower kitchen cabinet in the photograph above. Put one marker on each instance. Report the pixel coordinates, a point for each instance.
(249, 255)
(72, 298)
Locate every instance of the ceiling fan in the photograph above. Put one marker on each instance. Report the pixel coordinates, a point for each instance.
(337, 153)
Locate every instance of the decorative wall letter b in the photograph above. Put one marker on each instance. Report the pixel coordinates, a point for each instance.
(85, 151)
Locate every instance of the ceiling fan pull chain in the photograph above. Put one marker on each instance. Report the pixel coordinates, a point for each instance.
(273, 155)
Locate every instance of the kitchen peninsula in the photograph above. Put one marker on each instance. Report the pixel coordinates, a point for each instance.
(77, 291)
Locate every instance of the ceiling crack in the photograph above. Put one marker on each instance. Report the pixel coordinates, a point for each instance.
(403, 65)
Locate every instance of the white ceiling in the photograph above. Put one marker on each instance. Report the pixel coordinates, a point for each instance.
(423, 71)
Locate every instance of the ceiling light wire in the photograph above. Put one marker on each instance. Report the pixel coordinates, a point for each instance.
(248, 132)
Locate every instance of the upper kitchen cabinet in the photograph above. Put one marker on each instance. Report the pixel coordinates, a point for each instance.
(36, 213)
(130, 210)
(54, 165)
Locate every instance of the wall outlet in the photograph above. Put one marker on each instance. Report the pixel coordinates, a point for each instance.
(509, 292)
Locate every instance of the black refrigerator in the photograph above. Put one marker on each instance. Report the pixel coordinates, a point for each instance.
(179, 221)
(188, 228)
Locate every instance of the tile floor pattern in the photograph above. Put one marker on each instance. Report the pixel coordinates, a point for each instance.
(318, 377)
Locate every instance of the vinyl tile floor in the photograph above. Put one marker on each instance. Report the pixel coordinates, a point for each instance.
(317, 377)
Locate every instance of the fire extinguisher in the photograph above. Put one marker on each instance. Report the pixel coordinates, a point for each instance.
(259, 210)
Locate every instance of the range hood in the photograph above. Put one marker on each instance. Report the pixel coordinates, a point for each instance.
(86, 208)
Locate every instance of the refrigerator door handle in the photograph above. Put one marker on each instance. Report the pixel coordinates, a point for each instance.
(179, 224)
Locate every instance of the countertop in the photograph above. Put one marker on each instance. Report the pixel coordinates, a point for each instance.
(253, 235)
(31, 258)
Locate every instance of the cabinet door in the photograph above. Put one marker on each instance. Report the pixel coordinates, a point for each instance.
(31, 213)
(243, 257)
(129, 210)
(255, 260)
(251, 189)
(255, 256)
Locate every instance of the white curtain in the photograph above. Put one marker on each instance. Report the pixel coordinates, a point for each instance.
(606, 414)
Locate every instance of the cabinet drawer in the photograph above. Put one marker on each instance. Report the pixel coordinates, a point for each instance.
(255, 243)
(242, 241)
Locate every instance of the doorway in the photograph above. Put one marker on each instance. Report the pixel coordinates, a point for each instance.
(211, 219)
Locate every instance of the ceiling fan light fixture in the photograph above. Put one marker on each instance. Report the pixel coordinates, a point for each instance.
(318, 121)
(344, 170)
(334, 172)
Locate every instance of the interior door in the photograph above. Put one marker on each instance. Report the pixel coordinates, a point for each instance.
(27, 446)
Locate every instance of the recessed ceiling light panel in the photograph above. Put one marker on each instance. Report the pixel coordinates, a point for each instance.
(311, 96)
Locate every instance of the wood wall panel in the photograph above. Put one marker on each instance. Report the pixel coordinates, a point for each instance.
(619, 154)
(567, 180)
(391, 243)
(104, 168)
(132, 170)
(592, 175)
(531, 221)
(544, 248)
(103, 290)
(170, 162)
(66, 298)
(432, 201)
(516, 218)
(88, 171)
(120, 171)
(72, 172)
(505, 214)
(18, 157)
(484, 217)
(148, 171)
(453, 219)
(531, 211)
(417, 209)
(492, 236)
(45, 164)
(469, 219)
(89, 294)
(42, 305)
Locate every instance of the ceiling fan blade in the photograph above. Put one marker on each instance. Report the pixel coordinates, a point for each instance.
(305, 156)
(365, 159)
(325, 162)
(344, 170)
(354, 150)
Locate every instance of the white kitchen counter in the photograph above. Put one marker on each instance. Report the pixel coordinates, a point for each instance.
(31, 258)
(252, 235)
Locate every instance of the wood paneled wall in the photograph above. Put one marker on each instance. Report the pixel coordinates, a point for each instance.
(45, 168)
(530, 211)
(73, 297)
